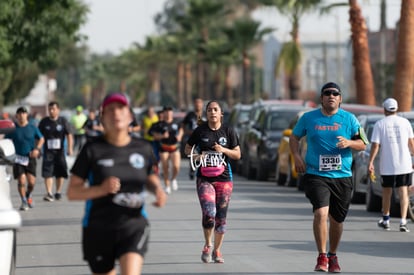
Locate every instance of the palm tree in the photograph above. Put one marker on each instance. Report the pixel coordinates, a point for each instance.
(245, 33)
(200, 19)
(152, 49)
(290, 55)
(403, 85)
(362, 66)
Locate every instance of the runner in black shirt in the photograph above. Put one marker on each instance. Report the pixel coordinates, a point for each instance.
(57, 133)
(215, 144)
(169, 134)
(119, 169)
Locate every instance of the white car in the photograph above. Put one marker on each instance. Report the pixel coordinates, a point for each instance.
(10, 219)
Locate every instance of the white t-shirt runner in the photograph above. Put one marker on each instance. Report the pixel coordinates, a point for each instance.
(392, 134)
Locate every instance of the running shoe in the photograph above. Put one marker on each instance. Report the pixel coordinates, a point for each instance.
(322, 263)
(404, 228)
(384, 225)
(174, 185)
(334, 265)
(206, 254)
(24, 206)
(217, 257)
(168, 190)
(58, 196)
(48, 197)
(30, 202)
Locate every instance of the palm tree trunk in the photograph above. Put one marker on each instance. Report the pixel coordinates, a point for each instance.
(362, 66)
(188, 84)
(180, 84)
(403, 84)
(229, 86)
(246, 91)
(217, 83)
(153, 96)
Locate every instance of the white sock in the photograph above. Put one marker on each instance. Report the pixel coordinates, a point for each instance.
(403, 221)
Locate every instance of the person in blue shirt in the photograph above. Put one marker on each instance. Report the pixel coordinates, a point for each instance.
(28, 142)
(331, 134)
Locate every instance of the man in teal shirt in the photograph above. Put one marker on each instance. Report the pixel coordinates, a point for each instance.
(330, 133)
(28, 142)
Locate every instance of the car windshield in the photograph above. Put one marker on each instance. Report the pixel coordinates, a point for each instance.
(279, 120)
(244, 115)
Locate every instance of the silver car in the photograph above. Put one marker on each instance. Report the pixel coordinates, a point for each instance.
(10, 219)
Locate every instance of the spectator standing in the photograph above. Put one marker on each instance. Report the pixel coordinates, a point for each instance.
(216, 144)
(56, 131)
(191, 121)
(148, 119)
(118, 169)
(77, 121)
(158, 130)
(331, 134)
(393, 137)
(28, 142)
(92, 126)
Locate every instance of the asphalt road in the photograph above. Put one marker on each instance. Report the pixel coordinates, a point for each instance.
(269, 232)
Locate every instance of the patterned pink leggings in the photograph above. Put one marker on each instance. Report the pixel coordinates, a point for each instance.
(214, 200)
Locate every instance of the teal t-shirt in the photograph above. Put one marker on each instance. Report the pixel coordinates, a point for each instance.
(323, 157)
(24, 138)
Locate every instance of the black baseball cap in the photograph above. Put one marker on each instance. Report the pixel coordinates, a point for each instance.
(331, 86)
(21, 109)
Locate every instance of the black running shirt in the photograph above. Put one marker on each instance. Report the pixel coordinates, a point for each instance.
(54, 132)
(204, 138)
(131, 164)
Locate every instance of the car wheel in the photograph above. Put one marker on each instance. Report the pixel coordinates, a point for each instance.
(247, 171)
(13, 258)
(300, 183)
(250, 171)
(280, 177)
(373, 203)
(395, 209)
(261, 173)
(410, 212)
(358, 197)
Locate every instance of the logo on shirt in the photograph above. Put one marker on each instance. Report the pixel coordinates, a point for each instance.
(106, 162)
(222, 141)
(334, 127)
(137, 161)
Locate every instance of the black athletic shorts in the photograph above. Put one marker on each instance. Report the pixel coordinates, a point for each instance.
(333, 192)
(103, 246)
(396, 180)
(54, 164)
(19, 169)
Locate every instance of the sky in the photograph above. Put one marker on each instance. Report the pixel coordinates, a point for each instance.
(114, 26)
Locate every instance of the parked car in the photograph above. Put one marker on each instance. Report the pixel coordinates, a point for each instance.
(361, 159)
(10, 219)
(238, 119)
(373, 199)
(253, 117)
(263, 138)
(357, 110)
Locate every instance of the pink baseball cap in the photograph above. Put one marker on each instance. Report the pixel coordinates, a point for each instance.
(115, 97)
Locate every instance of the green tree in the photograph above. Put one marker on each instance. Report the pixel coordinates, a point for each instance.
(32, 34)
